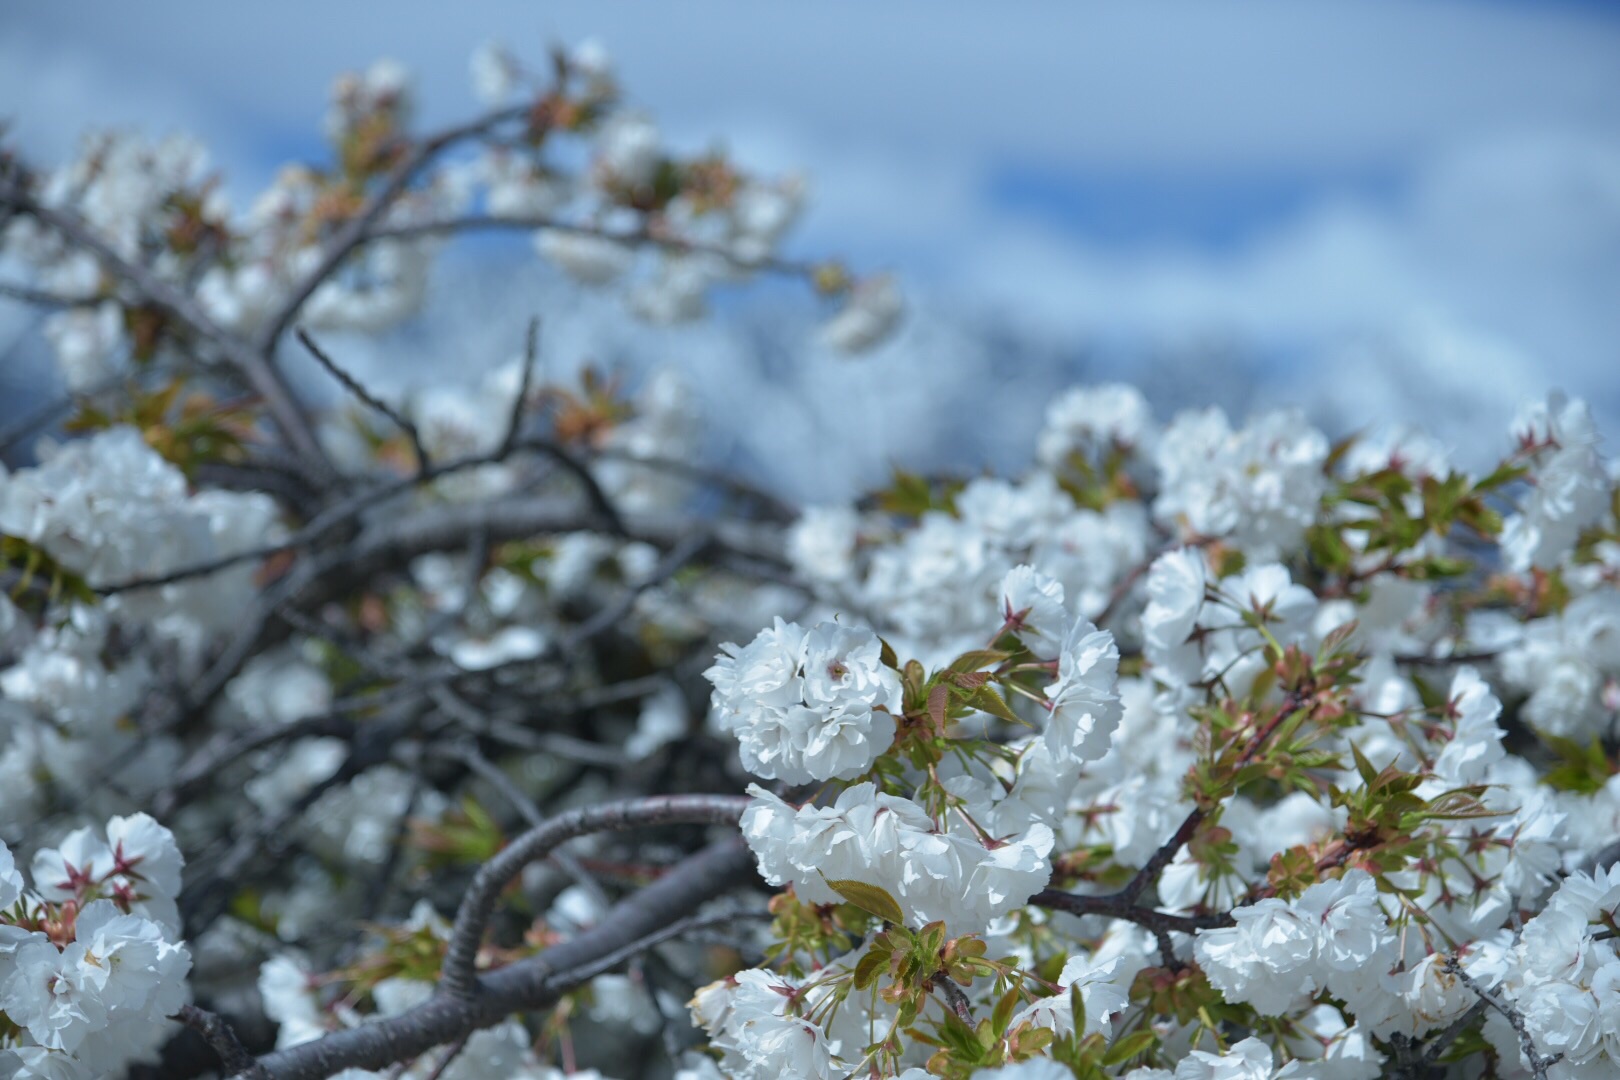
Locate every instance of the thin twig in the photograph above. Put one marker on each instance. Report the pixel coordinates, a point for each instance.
(491, 774)
(360, 228)
(514, 419)
(43, 298)
(638, 237)
(366, 397)
(1114, 906)
(1433, 660)
(1538, 1063)
(454, 1052)
(1438, 1045)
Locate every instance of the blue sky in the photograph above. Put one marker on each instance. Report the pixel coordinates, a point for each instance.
(1366, 207)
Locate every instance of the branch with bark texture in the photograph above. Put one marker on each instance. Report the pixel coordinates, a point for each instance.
(634, 924)
(459, 978)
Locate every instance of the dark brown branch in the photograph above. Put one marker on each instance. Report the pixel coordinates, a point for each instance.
(528, 984)
(1150, 871)
(222, 1039)
(459, 977)
(1428, 660)
(362, 227)
(600, 504)
(514, 419)
(1116, 906)
(367, 398)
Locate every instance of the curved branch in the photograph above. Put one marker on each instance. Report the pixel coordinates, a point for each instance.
(222, 1040)
(459, 977)
(361, 227)
(639, 237)
(527, 984)
(366, 397)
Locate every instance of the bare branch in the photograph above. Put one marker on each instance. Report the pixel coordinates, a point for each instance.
(491, 774)
(1117, 906)
(33, 421)
(1539, 1064)
(42, 298)
(527, 984)
(450, 1056)
(360, 228)
(366, 398)
(514, 419)
(459, 977)
(644, 237)
(224, 750)
(775, 509)
(600, 504)
(219, 1035)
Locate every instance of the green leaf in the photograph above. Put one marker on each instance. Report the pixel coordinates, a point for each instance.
(985, 699)
(978, 658)
(1077, 1009)
(961, 1039)
(1504, 474)
(1328, 549)
(1002, 1014)
(1132, 1045)
(1363, 766)
(870, 967)
(872, 899)
(1583, 770)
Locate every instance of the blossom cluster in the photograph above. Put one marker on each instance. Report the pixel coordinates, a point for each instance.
(807, 705)
(91, 964)
(1283, 620)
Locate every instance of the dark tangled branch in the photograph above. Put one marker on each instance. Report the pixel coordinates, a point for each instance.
(459, 977)
(637, 922)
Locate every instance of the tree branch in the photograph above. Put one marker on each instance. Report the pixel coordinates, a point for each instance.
(1116, 906)
(1539, 1064)
(528, 984)
(367, 398)
(638, 237)
(459, 978)
(222, 1039)
(360, 228)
